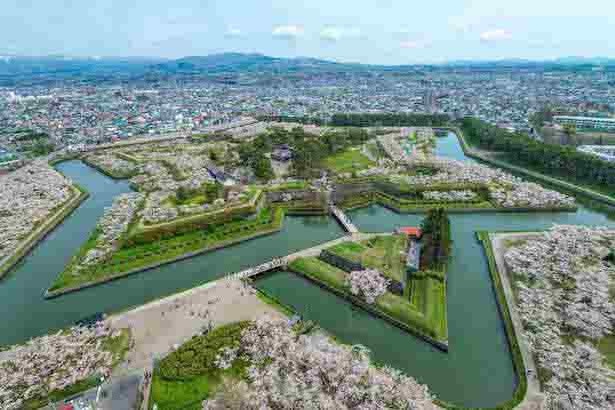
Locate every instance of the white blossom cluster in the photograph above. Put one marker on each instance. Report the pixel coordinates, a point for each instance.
(368, 283)
(507, 190)
(27, 197)
(113, 224)
(529, 194)
(155, 211)
(154, 177)
(563, 300)
(52, 362)
(287, 371)
(449, 196)
(115, 165)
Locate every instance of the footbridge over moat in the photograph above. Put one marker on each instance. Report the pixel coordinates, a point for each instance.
(277, 263)
(341, 217)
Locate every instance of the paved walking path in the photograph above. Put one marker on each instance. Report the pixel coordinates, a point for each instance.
(533, 398)
(160, 326)
(313, 251)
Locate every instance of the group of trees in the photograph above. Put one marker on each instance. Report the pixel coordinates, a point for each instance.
(252, 154)
(210, 191)
(436, 247)
(367, 120)
(390, 120)
(554, 159)
(289, 118)
(309, 151)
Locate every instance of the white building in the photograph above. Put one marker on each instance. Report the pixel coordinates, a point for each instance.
(605, 152)
(605, 124)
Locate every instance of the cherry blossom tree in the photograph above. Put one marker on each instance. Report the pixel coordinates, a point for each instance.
(563, 283)
(309, 371)
(368, 284)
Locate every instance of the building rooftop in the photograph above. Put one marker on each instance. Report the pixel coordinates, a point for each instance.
(411, 231)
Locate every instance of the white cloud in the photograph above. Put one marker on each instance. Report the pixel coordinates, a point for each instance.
(288, 31)
(332, 33)
(233, 32)
(495, 35)
(412, 44)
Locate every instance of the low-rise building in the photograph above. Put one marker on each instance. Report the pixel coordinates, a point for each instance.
(605, 152)
(596, 123)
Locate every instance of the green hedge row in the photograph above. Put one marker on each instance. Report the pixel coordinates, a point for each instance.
(188, 224)
(197, 357)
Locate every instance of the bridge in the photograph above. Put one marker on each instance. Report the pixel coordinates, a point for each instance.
(285, 260)
(343, 219)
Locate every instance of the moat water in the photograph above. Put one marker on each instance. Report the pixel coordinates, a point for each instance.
(477, 371)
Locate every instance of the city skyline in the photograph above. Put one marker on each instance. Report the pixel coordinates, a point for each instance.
(393, 33)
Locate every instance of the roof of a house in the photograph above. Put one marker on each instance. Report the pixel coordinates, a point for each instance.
(410, 231)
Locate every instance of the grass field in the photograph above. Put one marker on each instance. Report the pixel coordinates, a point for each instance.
(607, 348)
(348, 161)
(322, 271)
(143, 255)
(425, 312)
(383, 253)
(187, 376)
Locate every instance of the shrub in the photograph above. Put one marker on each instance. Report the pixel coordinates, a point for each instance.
(197, 357)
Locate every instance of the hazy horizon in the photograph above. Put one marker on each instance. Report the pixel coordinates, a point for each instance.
(391, 32)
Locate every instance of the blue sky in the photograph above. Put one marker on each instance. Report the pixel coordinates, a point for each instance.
(374, 31)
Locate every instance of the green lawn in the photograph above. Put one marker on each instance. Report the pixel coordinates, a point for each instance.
(289, 186)
(425, 312)
(312, 266)
(607, 348)
(142, 255)
(382, 253)
(187, 376)
(348, 161)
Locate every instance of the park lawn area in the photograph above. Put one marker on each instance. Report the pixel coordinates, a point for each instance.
(606, 345)
(382, 253)
(289, 186)
(423, 317)
(188, 375)
(314, 267)
(435, 308)
(348, 161)
(385, 254)
(142, 255)
(349, 250)
(401, 309)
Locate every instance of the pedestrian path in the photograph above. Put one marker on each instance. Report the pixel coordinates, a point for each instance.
(283, 261)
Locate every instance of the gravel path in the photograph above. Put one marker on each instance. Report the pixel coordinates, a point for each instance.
(160, 326)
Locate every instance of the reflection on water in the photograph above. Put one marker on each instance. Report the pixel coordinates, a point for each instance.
(478, 370)
(26, 314)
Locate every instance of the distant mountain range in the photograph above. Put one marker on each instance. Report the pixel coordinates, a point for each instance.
(239, 62)
(17, 69)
